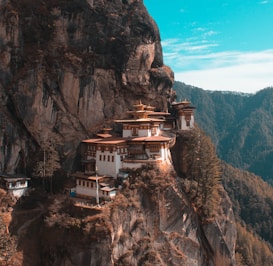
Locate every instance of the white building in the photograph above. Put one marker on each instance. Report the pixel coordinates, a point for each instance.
(17, 185)
(94, 186)
(184, 115)
(142, 142)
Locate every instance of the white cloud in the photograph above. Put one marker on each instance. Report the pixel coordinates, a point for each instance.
(249, 78)
(171, 46)
(196, 63)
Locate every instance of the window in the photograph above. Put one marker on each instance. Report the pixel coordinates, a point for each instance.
(108, 159)
(113, 158)
(80, 183)
(92, 184)
(103, 157)
(83, 183)
(100, 157)
(87, 184)
(134, 131)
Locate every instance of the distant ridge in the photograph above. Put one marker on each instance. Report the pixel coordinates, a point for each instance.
(240, 125)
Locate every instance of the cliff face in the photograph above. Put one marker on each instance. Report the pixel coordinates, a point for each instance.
(150, 222)
(69, 67)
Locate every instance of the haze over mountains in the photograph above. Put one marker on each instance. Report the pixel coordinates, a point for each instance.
(240, 125)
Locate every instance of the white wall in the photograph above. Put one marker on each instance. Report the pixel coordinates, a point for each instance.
(86, 191)
(126, 133)
(183, 123)
(144, 133)
(19, 192)
(92, 191)
(105, 167)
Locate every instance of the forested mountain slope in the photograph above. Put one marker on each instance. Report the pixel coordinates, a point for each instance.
(240, 125)
(252, 201)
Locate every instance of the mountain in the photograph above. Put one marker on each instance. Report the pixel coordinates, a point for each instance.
(240, 125)
(252, 200)
(69, 68)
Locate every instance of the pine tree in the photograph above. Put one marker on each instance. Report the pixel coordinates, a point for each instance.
(49, 161)
(203, 172)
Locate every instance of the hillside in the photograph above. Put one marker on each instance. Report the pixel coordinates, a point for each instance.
(240, 125)
(252, 201)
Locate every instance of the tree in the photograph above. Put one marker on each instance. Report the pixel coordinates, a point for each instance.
(202, 172)
(49, 161)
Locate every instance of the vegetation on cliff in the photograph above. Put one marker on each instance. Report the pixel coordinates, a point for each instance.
(199, 167)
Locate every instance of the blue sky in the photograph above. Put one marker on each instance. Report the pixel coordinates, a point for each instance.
(217, 44)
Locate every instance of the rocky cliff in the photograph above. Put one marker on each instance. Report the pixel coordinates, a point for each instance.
(69, 67)
(150, 222)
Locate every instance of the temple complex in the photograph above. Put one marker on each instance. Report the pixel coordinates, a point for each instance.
(145, 139)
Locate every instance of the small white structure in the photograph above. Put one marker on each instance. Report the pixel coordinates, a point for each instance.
(184, 115)
(93, 186)
(17, 185)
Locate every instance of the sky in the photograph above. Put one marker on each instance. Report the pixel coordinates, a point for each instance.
(222, 45)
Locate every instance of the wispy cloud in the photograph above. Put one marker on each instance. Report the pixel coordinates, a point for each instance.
(175, 46)
(232, 71)
(196, 62)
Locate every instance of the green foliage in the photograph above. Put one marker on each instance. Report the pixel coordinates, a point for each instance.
(250, 250)
(240, 125)
(201, 169)
(252, 200)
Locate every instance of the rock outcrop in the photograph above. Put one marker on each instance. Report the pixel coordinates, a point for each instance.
(150, 222)
(69, 67)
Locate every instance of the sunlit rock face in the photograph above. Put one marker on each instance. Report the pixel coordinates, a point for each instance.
(148, 223)
(69, 67)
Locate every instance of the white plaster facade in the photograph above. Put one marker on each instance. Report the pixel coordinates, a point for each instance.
(186, 124)
(141, 143)
(89, 186)
(108, 163)
(17, 186)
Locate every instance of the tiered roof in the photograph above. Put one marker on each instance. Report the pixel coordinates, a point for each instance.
(185, 104)
(144, 113)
